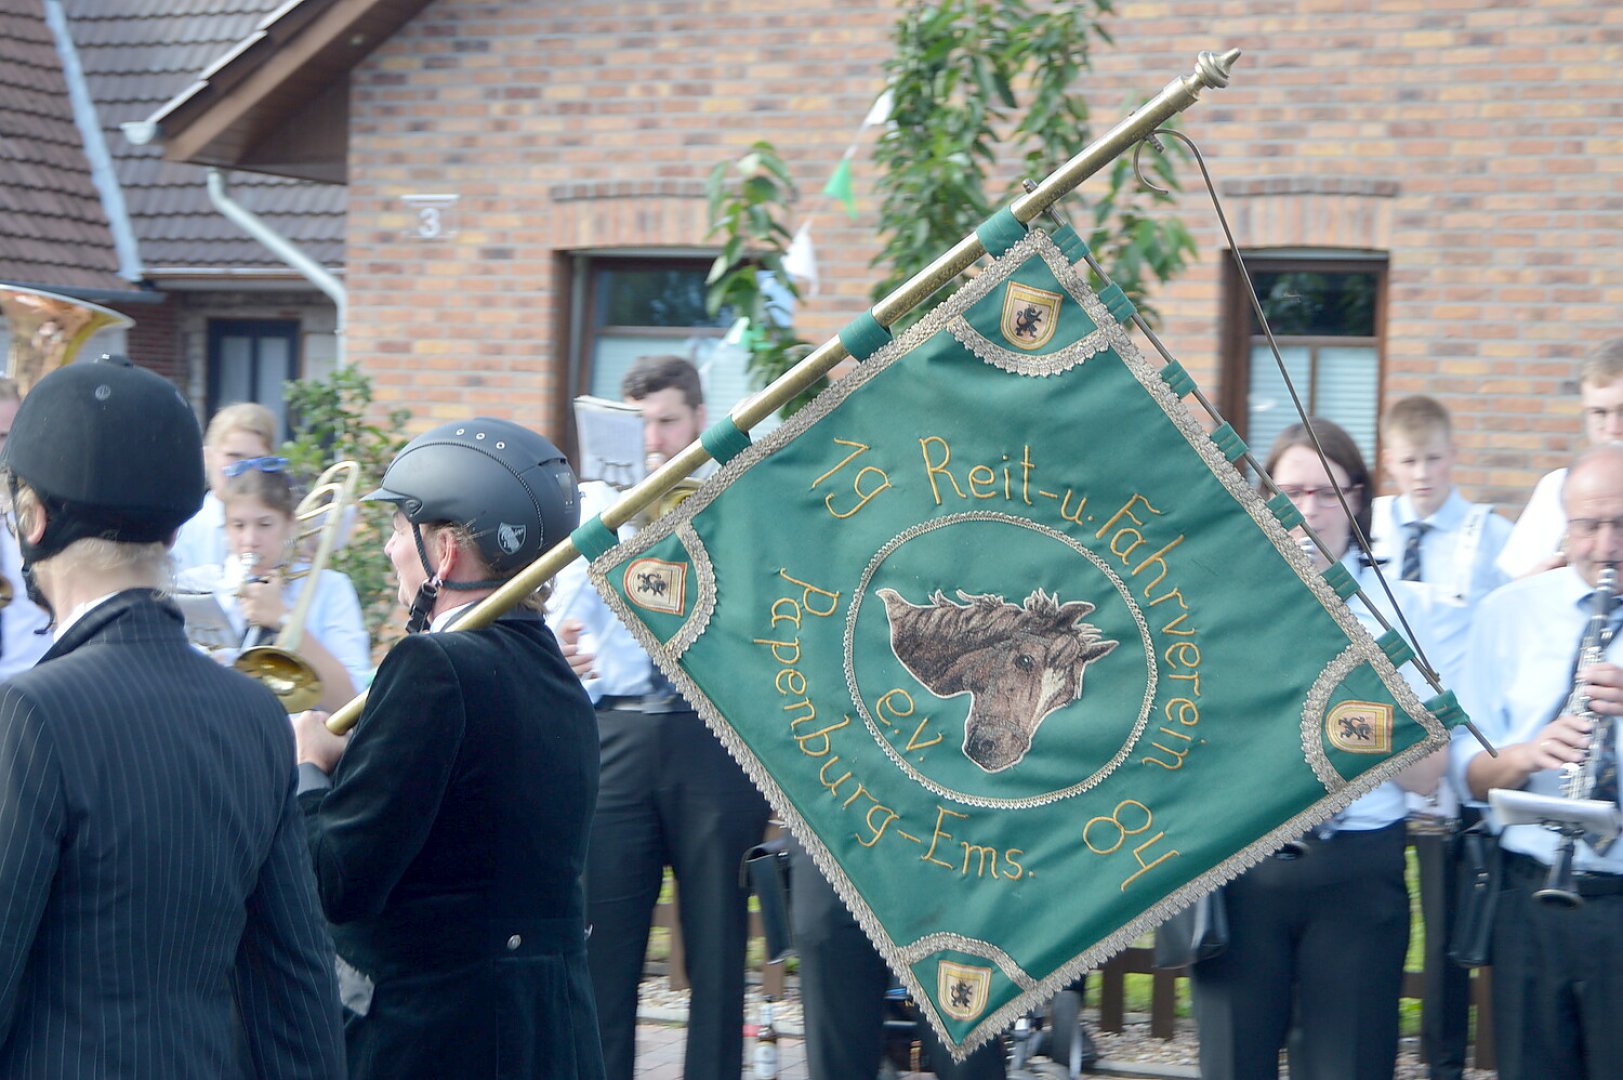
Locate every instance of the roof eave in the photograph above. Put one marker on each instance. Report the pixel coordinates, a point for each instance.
(263, 85)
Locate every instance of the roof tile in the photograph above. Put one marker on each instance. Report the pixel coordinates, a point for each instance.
(137, 56)
(57, 233)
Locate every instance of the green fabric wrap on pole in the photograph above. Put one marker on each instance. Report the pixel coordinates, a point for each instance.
(1228, 442)
(593, 539)
(1181, 383)
(1000, 232)
(863, 336)
(723, 440)
(1116, 302)
(1071, 243)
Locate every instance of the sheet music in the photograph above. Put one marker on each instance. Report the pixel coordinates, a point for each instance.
(610, 434)
(207, 624)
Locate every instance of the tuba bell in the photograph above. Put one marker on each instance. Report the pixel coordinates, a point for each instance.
(46, 331)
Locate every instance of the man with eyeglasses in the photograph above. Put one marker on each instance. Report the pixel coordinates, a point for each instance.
(1535, 544)
(1558, 972)
(669, 796)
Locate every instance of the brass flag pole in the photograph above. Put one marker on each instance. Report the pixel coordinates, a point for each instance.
(1211, 72)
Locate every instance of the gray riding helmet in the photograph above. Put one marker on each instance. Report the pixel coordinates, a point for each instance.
(512, 489)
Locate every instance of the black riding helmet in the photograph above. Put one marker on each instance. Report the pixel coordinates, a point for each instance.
(510, 488)
(112, 450)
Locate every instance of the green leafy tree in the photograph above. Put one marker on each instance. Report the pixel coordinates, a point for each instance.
(748, 200)
(330, 423)
(976, 83)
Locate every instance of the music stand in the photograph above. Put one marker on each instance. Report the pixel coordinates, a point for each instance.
(1585, 817)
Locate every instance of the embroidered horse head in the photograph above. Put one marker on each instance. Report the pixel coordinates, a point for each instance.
(1018, 664)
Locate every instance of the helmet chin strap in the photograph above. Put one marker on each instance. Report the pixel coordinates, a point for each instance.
(30, 553)
(37, 595)
(422, 605)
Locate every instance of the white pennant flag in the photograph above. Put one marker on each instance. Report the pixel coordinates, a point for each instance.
(800, 261)
(880, 111)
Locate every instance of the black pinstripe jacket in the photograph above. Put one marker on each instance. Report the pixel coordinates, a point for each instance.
(153, 865)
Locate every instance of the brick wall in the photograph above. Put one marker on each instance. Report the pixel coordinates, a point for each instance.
(570, 127)
(1475, 141)
(154, 340)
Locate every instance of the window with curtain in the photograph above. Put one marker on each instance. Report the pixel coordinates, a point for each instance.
(644, 307)
(1327, 316)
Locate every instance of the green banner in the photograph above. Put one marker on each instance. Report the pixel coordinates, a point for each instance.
(1016, 651)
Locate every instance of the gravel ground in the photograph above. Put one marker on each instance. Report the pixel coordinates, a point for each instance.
(1131, 1052)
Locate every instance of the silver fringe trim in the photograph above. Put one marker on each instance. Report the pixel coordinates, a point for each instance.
(1039, 365)
(930, 944)
(1318, 700)
(704, 578)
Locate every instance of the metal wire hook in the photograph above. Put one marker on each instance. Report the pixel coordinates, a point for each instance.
(1422, 662)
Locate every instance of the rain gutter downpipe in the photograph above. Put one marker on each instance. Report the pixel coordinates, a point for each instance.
(282, 248)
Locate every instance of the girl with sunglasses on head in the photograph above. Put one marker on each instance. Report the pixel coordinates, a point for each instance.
(258, 590)
(1318, 933)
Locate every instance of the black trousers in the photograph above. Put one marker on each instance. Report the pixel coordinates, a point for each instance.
(1319, 940)
(670, 795)
(1445, 1016)
(1557, 982)
(843, 981)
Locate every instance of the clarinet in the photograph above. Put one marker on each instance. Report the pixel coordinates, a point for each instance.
(1580, 779)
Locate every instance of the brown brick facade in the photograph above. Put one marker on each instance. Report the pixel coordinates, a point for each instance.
(154, 340)
(1477, 145)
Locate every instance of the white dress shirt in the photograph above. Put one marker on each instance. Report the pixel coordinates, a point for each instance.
(620, 667)
(1518, 677)
(201, 541)
(1458, 566)
(1539, 530)
(22, 623)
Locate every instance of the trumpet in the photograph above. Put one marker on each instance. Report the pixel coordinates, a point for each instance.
(240, 571)
(279, 666)
(1581, 780)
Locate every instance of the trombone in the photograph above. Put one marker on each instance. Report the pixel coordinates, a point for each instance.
(322, 513)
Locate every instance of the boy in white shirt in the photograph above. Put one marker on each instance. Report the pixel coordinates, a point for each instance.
(1536, 543)
(1430, 534)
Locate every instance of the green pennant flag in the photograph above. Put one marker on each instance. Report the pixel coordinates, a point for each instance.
(839, 187)
(1019, 654)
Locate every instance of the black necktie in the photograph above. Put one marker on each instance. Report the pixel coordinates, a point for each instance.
(1411, 551)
